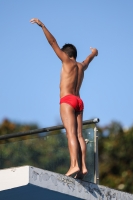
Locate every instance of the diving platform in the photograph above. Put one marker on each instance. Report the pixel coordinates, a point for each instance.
(28, 182)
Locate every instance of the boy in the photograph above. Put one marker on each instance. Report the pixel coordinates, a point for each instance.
(71, 106)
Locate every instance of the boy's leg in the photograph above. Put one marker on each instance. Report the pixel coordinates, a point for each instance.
(69, 121)
(82, 144)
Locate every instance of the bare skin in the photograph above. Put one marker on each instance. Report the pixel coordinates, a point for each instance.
(72, 75)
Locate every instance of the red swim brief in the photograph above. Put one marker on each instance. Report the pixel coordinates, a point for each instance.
(74, 101)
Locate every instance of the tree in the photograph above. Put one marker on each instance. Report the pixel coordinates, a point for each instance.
(46, 151)
(116, 157)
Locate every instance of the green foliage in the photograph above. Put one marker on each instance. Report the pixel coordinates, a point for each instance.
(46, 151)
(116, 157)
(8, 127)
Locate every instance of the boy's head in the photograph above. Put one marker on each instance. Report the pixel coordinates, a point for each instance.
(70, 50)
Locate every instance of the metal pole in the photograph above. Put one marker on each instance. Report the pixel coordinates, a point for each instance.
(96, 168)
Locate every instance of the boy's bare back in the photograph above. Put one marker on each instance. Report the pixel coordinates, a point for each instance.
(68, 81)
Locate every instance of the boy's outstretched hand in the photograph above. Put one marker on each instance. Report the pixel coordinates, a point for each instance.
(94, 50)
(37, 21)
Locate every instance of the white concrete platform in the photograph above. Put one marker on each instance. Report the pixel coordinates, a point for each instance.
(27, 182)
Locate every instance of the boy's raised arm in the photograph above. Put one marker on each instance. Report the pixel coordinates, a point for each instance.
(94, 52)
(52, 41)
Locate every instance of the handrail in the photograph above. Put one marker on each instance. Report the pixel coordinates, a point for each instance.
(35, 131)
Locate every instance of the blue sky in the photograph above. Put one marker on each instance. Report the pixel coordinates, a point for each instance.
(30, 70)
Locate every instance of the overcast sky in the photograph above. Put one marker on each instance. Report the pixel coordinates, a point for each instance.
(30, 70)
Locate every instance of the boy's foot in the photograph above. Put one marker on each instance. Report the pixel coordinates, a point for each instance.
(81, 175)
(72, 171)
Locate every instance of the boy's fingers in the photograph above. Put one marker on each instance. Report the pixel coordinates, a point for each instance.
(32, 20)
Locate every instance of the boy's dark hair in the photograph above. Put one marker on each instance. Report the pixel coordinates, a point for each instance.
(70, 50)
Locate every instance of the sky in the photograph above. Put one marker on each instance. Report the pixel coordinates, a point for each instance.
(30, 70)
